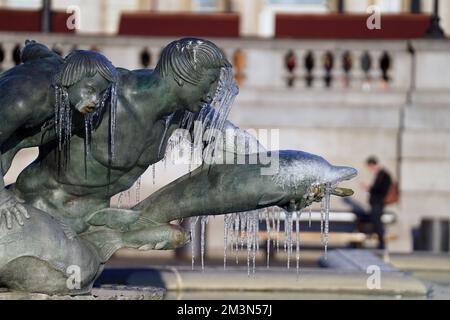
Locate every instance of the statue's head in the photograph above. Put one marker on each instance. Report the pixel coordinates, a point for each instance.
(86, 75)
(195, 66)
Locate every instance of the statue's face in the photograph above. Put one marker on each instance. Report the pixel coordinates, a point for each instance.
(86, 93)
(193, 97)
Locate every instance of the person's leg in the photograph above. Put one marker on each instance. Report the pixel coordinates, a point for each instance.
(362, 217)
(376, 213)
(356, 208)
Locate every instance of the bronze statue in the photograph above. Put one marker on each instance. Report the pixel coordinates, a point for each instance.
(98, 128)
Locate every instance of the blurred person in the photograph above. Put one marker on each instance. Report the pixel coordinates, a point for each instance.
(378, 192)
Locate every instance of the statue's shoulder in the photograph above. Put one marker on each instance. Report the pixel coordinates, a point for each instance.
(38, 66)
(132, 78)
(33, 51)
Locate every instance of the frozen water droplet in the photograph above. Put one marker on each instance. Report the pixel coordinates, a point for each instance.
(113, 120)
(310, 211)
(193, 223)
(255, 246)
(326, 205)
(288, 236)
(297, 240)
(268, 237)
(203, 223)
(227, 221)
(167, 122)
(278, 231)
(249, 240)
(236, 236)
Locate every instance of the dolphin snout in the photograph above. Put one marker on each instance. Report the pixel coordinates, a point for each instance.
(338, 174)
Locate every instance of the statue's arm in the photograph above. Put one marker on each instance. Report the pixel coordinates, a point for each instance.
(15, 111)
(10, 207)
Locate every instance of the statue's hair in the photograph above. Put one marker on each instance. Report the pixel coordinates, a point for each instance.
(187, 59)
(81, 63)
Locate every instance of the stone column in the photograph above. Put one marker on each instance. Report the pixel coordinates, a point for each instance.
(337, 6)
(146, 5)
(444, 10)
(415, 6)
(357, 5)
(174, 5)
(46, 16)
(249, 14)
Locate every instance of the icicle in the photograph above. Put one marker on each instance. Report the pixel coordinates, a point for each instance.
(310, 211)
(227, 220)
(259, 216)
(203, 223)
(249, 240)
(231, 231)
(63, 123)
(87, 144)
(87, 129)
(272, 212)
(168, 120)
(268, 237)
(138, 190)
(243, 218)
(236, 236)
(190, 121)
(213, 119)
(255, 246)
(193, 223)
(278, 231)
(288, 236)
(297, 241)
(113, 120)
(321, 221)
(326, 205)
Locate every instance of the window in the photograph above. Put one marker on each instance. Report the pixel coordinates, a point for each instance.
(272, 7)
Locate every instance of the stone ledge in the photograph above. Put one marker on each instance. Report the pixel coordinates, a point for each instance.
(110, 292)
(309, 281)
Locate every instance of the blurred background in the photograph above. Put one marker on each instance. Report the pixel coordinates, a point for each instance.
(311, 69)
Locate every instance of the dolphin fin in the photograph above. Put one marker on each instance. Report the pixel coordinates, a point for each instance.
(105, 241)
(113, 218)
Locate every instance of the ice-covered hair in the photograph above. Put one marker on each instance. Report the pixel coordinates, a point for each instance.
(187, 59)
(78, 65)
(81, 63)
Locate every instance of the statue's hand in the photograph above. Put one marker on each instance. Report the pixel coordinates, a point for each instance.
(11, 207)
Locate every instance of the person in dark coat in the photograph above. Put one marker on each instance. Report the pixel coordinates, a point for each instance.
(377, 193)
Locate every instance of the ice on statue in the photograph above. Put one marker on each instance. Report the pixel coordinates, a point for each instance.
(99, 128)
